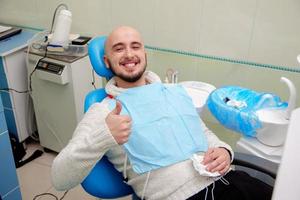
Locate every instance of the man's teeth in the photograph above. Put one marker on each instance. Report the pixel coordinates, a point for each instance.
(130, 64)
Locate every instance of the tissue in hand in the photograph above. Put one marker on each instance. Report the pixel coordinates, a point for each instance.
(197, 159)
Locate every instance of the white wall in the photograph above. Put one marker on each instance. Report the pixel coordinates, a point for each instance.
(263, 31)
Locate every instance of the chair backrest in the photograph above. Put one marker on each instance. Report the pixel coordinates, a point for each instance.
(104, 181)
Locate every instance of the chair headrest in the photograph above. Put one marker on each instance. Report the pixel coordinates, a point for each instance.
(96, 52)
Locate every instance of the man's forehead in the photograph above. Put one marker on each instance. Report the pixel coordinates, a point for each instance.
(124, 35)
(122, 42)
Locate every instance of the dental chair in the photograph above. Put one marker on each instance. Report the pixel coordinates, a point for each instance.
(104, 181)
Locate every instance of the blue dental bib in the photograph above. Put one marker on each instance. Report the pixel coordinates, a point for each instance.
(165, 126)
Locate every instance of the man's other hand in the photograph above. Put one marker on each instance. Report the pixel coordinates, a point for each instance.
(217, 160)
(119, 125)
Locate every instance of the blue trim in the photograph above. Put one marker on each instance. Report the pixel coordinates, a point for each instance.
(2, 71)
(3, 82)
(3, 126)
(10, 122)
(5, 96)
(1, 106)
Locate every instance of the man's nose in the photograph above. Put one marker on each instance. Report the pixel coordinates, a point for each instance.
(129, 53)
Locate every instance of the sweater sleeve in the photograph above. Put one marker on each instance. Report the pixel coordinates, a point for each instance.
(91, 139)
(214, 141)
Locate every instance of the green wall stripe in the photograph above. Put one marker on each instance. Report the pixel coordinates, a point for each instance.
(252, 64)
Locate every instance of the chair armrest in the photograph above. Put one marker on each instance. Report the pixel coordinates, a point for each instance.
(255, 163)
(104, 181)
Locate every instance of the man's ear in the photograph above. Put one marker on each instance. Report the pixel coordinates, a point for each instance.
(106, 62)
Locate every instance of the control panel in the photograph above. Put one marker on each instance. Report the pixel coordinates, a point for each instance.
(53, 72)
(50, 67)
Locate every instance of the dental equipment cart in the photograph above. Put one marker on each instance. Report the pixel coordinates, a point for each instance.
(59, 86)
(13, 80)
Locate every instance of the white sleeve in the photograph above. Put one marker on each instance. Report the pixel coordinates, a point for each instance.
(214, 141)
(89, 143)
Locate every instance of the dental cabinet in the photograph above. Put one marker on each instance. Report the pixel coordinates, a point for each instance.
(13, 78)
(59, 86)
(9, 186)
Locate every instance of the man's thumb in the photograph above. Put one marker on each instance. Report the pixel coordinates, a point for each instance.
(118, 108)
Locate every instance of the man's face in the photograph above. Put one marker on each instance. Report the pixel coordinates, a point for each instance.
(125, 54)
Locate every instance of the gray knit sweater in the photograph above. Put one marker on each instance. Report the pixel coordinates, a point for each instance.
(92, 139)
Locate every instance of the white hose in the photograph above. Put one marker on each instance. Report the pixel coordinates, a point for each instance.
(292, 98)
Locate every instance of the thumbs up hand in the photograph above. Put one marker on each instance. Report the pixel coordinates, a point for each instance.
(119, 125)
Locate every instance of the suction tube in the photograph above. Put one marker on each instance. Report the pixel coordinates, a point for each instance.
(292, 99)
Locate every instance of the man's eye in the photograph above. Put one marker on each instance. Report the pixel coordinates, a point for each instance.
(118, 49)
(136, 47)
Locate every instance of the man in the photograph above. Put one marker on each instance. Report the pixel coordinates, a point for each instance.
(106, 129)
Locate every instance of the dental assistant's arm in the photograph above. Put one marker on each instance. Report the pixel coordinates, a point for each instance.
(89, 143)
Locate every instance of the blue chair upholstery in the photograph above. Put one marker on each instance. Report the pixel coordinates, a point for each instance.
(104, 181)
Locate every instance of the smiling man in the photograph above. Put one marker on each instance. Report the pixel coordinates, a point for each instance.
(126, 57)
(152, 133)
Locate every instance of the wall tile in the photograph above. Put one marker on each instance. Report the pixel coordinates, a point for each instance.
(177, 24)
(262, 31)
(221, 73)
(226, 28)
(276, 33)
(136, 13)
(91, 17)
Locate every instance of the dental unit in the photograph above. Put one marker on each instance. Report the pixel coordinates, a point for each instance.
(275, 121)
(261, 118)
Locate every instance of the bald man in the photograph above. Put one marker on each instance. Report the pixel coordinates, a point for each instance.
(126, 57)
(105, 130)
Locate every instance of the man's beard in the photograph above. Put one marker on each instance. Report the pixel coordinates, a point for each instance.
(130, 79)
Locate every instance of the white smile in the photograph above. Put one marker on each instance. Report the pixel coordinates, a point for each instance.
(130, 64)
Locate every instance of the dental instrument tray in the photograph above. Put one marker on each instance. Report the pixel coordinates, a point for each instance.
(235, 107)
(68, 50)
